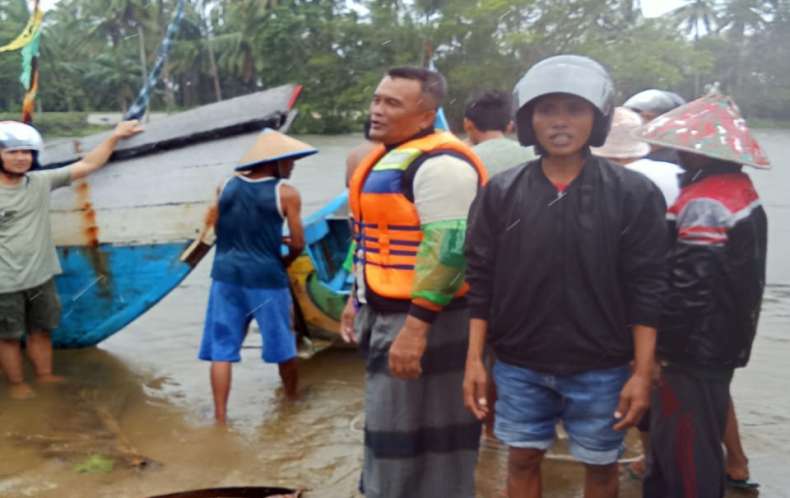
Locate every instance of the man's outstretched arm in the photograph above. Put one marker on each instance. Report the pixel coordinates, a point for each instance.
(99, 156)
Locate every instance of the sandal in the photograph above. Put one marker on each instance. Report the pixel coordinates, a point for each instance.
(746, 484)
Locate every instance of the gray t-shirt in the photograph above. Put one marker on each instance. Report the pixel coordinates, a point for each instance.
(500, 154)
(27, 252)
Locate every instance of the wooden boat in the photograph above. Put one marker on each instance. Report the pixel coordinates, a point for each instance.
(236, 492)
(320, 284)
(121, 233)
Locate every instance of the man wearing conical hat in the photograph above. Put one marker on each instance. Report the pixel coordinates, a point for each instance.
(249, 272)
(716, 281)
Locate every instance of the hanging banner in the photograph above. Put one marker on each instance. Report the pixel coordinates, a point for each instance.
(32, 28)
(137, 109)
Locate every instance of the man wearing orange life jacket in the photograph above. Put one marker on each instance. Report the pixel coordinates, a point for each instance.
(409, 200)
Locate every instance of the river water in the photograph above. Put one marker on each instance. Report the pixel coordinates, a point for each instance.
(142, 395)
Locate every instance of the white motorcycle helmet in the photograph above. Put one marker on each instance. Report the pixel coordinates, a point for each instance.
(20, 136)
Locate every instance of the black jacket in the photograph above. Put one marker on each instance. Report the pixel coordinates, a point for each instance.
(717, 272)
(561, 277)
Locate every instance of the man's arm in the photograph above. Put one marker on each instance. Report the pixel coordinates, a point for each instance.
(212, 215)
(292, 209)
(207, 235)
(475, 373)
(643, 253)
(444, 187)
(99, 156)
(480, 251)
(635, 395)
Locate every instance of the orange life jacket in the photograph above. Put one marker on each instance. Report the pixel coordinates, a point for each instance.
(386, 224)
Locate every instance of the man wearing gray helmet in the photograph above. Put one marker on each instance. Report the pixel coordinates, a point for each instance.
(650, 104)
(29, 307)
(566, 268)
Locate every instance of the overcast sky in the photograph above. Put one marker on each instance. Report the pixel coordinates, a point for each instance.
(650, 8)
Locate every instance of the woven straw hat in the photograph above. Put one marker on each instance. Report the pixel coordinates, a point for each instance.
(621, 142)
(273, 146)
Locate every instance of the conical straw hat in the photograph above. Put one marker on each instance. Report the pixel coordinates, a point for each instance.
(273, 146)
(710, 126)
(621, 142)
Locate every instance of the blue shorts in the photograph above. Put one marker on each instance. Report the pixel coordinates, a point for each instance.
(529, 405)
(231, 308)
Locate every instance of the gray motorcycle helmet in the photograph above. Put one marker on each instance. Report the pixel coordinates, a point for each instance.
(677, 99)
(654, 101)
(570, 74)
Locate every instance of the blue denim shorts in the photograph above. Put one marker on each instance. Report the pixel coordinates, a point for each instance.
(529, 405)
(231, 308)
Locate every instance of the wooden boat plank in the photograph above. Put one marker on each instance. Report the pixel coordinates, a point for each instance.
(209, 122)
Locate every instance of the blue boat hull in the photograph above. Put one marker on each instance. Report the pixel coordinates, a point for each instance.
(104, 288)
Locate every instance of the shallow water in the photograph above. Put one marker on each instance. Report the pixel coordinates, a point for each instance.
(142, 397)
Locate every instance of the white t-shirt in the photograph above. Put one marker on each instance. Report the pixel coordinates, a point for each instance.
(666, 176)
(444, 188)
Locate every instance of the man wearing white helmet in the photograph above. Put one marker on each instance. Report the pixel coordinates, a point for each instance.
(29, 306)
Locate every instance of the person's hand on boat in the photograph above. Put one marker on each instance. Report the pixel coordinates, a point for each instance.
(126, 129)
(476, 388)
(347, 322)
(406, 352)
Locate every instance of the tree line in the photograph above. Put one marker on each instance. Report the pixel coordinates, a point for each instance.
(95, 53)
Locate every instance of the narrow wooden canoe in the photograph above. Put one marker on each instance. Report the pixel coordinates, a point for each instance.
(321, 286)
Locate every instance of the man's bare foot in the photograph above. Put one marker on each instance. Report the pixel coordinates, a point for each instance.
(637, 469)
(21, 391)
(738, 473)
(220, 419)
(50, 379)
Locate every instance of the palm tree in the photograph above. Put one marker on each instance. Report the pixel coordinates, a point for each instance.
(738, 19)
(116, 20)
(236, 47)
(632, 10)
(696, 14)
